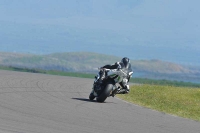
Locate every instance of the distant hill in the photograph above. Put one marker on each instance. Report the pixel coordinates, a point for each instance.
(89, 62)
(75, 62)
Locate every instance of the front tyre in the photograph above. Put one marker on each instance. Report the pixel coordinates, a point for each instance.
(91, 96)
(105, 93)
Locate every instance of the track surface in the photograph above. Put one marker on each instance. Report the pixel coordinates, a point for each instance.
(37, 103)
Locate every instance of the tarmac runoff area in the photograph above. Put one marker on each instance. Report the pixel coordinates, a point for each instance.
(39, 103)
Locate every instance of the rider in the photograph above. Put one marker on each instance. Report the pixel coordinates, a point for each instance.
(125, 63)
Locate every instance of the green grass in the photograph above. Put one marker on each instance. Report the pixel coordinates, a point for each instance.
(50, 72)
(180, 101)
(71, 74)
(164, 82)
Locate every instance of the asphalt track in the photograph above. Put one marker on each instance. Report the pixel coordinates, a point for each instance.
(38, 103)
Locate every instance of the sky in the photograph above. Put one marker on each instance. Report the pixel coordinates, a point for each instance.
(142, 29)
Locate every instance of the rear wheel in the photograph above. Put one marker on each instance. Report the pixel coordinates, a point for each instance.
(106, 93)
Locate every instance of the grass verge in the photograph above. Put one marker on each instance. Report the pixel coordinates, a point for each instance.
(180, 101)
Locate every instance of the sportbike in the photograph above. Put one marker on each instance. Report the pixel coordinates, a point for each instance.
(109, 87)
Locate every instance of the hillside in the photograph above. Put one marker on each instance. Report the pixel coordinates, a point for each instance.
(89, 62)
(77, 62)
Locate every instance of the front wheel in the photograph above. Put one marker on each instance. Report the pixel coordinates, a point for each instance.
(91, 96)
(105, 93)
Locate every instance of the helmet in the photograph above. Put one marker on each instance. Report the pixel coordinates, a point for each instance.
(126, 62)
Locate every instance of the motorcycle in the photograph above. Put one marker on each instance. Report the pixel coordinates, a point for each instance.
(109, 87)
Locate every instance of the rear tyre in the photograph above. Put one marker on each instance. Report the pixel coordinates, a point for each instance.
(91, 96)
(106, 93)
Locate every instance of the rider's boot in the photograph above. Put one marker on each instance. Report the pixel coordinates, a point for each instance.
(115, 92)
